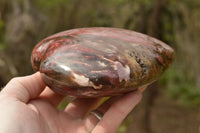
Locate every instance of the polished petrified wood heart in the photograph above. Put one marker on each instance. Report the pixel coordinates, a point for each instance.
(93, 62)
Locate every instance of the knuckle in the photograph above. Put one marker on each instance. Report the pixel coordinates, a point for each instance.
(15, 79)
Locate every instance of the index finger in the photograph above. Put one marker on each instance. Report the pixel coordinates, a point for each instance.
(118, 112)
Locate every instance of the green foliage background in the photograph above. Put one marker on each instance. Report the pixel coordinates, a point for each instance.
(178, 17)
(176, 22)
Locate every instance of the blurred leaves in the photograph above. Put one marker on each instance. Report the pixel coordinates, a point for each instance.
(178, 25)
(125, 124)
(180, 88)
(1, 33)
(1, 23)
(50, 3)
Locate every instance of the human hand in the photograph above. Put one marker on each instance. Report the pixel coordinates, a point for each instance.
(28, 106)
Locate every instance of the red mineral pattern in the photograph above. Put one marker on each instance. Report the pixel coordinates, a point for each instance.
(94, 62)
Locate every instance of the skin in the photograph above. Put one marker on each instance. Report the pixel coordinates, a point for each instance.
(28, 106)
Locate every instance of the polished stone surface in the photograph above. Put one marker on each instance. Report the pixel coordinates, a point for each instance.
(92, 62)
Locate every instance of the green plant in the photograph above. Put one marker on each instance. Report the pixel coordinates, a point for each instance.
(1, 33)
(180, 88)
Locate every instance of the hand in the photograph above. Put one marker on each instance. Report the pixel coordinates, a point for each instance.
(28, 106)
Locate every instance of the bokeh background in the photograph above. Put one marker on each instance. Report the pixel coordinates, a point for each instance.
(170, 105)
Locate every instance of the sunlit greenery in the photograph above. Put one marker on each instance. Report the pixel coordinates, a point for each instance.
(180, 88)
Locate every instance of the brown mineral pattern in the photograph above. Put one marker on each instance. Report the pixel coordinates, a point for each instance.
(92, 62)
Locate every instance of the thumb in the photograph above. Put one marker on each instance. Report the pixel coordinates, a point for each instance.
(24, 88)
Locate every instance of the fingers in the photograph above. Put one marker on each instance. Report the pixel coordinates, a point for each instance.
(24, 88)
(52, 97)
(30, 87)
(119, 108)
(142, 89)
(80, 107)
(91, 120)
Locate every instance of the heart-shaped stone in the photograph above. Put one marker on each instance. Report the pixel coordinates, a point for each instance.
(93, 62)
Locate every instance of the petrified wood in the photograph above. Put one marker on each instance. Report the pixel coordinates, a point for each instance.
(93, 62)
